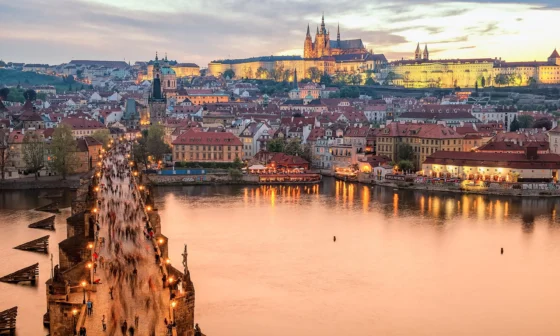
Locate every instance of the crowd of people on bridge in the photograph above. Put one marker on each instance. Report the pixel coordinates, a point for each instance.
(126, 255)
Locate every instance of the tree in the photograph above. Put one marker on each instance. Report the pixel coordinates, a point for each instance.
(525, 121)
(543, 123)
(483, 82)
(237, 163)
(102, 136)
(405, 152)
(514, 126)
(63, 149)
(276, 145)
(293, 147)
(314, 74)
(390, 78)
(235, 174)
(405, 165)
(33, 153)
(370, 81)
(261, 73)
(326, 79)
(229, 73)
(156, 144)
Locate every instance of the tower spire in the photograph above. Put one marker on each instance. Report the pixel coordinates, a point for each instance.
(338, 32)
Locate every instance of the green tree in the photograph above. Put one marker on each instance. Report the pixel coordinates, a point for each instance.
(229, 73)
(33, 152)
(390, 78)
(235, 174)
(406, 165)
(525, 121)
(63, 149)
(156, 144)
(276, 145)
(140, 149)
(514, 126)
(405, 152)
(237, 163)
(370, 81)
(293, 147)
(543, 123)
(102, 136)
(314, 74)
(326, 79)
(261, 73)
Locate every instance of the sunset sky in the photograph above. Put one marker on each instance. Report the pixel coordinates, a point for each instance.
(57, 31)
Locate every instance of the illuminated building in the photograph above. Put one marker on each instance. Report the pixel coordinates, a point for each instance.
(423, 72)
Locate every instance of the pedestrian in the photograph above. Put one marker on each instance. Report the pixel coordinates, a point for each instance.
(89, 306)
(103, 323)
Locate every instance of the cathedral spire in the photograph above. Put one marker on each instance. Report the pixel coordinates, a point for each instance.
(338, 33)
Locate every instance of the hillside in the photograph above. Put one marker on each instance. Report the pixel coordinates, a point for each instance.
(13, 77)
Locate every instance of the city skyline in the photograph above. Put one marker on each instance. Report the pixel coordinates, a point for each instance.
(134, 30)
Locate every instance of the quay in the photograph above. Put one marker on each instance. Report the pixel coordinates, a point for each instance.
(114, 271)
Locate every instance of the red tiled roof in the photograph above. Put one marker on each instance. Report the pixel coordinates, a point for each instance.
(505, 160)
(192, 137)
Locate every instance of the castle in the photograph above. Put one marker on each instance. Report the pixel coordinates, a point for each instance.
(323, 46)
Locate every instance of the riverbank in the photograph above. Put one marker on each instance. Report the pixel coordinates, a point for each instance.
(496, 189)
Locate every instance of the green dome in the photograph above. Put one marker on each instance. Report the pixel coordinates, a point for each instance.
(167, 71)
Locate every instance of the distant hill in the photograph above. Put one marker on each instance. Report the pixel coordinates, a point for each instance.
(10, 77)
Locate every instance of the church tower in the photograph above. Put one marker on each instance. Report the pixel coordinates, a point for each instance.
(418, 53)
(308, 45)
(157, 103)
(426, 53)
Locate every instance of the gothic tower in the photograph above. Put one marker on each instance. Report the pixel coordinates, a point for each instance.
(426, 53)
(157, 103)
(308, 45)
(418, 53)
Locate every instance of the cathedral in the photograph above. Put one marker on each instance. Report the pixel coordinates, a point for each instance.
(324, 46)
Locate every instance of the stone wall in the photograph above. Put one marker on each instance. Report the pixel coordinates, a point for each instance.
(61, 319)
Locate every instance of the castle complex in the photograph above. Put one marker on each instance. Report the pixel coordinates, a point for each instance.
(326, 55)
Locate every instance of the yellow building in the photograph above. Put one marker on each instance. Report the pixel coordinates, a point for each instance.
(423, 72)
(186, 69)
(425, 139)
(196, 146)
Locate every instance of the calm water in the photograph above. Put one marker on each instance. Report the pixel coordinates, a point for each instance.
(264, 262)
(15, 215)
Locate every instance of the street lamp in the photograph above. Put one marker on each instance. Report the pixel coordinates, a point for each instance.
(172, 317)
(74, 313)
(84, 283)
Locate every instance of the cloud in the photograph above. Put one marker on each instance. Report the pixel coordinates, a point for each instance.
(56, 31)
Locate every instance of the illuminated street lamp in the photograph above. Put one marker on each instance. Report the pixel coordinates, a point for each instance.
(74, 313)
(84, 283)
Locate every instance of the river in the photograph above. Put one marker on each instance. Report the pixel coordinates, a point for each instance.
(264, 262)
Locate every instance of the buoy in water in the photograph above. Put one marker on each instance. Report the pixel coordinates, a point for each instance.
(502, 250)
(334, 238)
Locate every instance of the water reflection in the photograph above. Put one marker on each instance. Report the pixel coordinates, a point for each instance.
(440, 208)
